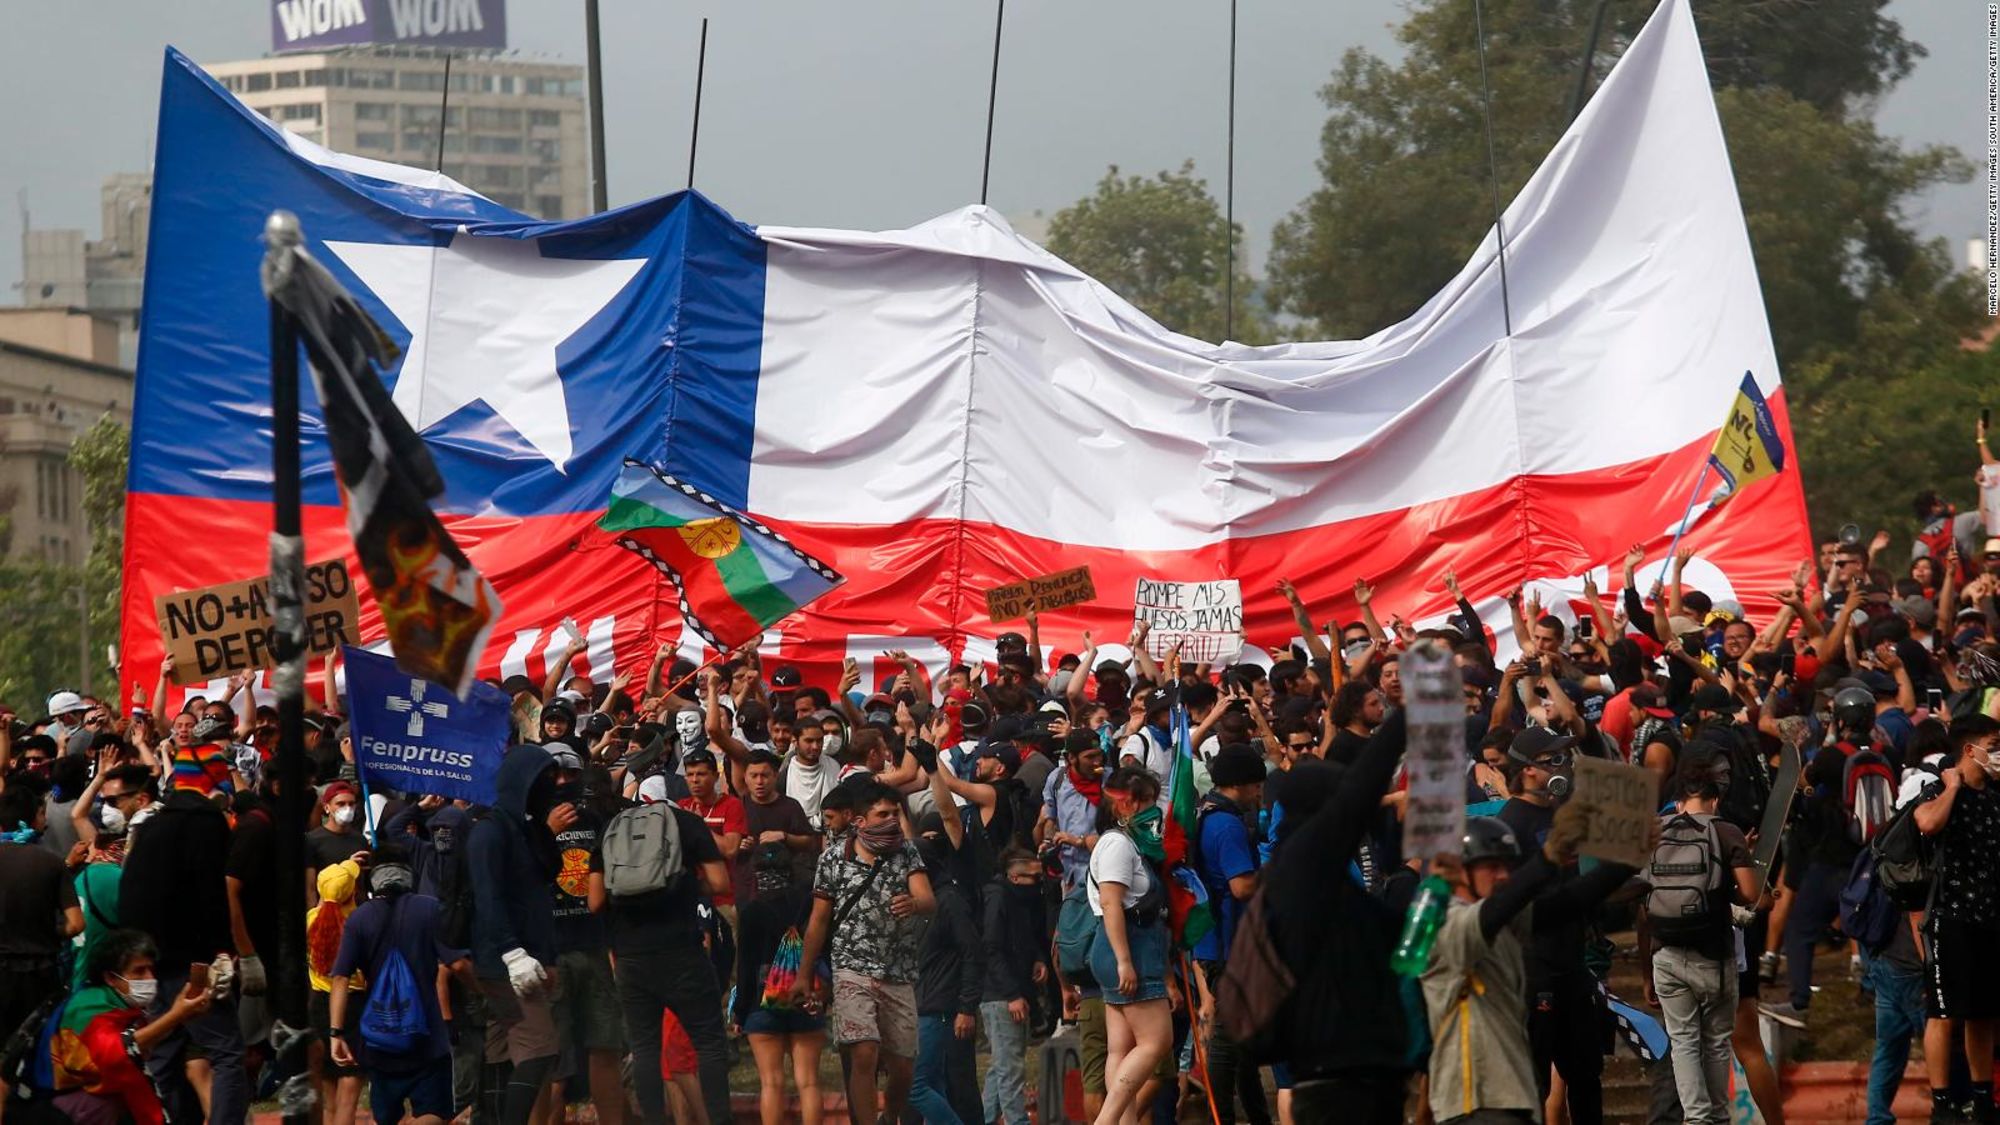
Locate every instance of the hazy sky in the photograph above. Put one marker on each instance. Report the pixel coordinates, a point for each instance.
(870, 113)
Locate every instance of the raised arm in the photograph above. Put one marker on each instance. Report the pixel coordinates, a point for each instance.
(1364, 597)
(1086, 664)
(1315, 647)
(559, 669)
(1674, 607)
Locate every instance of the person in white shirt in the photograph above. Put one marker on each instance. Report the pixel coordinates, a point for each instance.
(809, 774)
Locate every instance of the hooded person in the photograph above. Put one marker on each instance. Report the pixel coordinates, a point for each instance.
(511, 859)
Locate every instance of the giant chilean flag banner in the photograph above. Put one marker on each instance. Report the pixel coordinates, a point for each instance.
(936, 411)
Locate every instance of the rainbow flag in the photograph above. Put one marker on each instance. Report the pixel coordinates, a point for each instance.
(736, 576)
(1187, 898)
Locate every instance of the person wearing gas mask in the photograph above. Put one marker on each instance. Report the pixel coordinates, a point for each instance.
(1565, 1017)
(1964, 927)
(1482, 1067)
(587, 1019)
(511, 858)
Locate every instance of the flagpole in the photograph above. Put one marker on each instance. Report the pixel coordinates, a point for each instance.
(293, 1033)
(1681, 529)
(1493, 168)
(1589, 53)
(594, 50)
(444, 110)
(992, 97)
(1229, 195)
(700, 72)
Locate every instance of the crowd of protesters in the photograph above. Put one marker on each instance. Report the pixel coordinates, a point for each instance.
(935, 875)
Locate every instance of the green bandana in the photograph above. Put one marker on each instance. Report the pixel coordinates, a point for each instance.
(1144, 829)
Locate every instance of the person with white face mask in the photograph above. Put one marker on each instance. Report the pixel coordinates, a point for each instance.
(95, 1077)
(339, 835)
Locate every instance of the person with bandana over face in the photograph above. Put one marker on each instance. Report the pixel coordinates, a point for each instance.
(871, 896)
(397, 925)
(1127, 893)
(99, 1048)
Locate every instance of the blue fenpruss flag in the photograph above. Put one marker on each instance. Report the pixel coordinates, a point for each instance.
(417, 737)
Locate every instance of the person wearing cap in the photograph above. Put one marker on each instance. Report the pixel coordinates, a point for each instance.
(1656, 739)
(66, 711)
(1069, 805)
(1227, 865)
(1005, 812)
(1477, 990)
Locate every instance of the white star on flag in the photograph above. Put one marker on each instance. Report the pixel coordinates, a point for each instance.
(485, 316)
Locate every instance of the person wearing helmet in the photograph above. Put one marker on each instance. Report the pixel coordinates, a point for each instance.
(1822, 848)
(1476, 987)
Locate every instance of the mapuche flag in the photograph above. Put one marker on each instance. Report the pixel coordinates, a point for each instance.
(436, 608)
(736, 576)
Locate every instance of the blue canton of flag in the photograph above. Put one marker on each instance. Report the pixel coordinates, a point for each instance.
(414, 736)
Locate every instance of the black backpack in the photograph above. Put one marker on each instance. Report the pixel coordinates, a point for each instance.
(1749, 776)
(1905, 862)
(455, 880)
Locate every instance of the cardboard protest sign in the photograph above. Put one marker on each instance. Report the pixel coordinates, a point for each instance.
(1624, 805)
(221, 630)
(1204, 618)
(1434, 809)
(1050, 591)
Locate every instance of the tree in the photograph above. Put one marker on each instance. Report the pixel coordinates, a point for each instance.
(1851, 291)
(42, 643)
(100, 456)
(1160, 244)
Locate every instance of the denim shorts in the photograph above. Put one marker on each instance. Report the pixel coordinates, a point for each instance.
(1149, 961)
(781, 1021)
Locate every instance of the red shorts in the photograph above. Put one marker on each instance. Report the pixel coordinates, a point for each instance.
(676, 1049)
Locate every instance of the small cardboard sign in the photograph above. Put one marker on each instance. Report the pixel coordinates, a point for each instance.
(221, 630)
(1434, 755)
(1050, 591)
(1204, 618)
(1624, 805)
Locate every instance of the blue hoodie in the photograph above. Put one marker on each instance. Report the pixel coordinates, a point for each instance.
(511, 857)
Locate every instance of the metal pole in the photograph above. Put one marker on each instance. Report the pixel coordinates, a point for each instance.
(1589, 54)
(700, 72)
(83, 630)
(992, 93)
(444, 110)
(599, 191)
(1229, 195)
(288, 978)
(1493, 167)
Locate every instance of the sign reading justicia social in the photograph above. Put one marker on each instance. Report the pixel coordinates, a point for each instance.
(311, 25)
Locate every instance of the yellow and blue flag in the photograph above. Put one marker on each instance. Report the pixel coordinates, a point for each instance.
(1748, 448)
